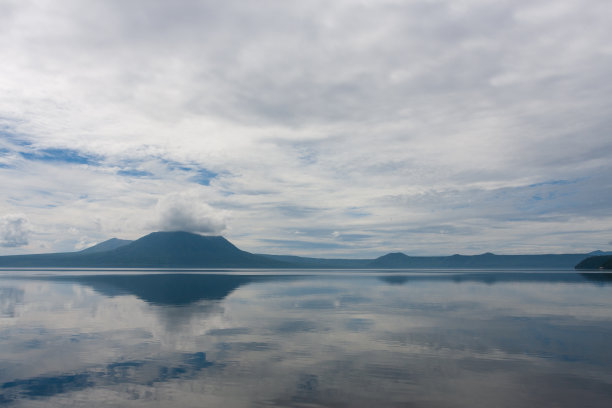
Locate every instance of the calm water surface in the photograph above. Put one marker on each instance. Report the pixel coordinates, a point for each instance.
(349, 339)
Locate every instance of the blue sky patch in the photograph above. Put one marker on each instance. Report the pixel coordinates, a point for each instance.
(174, 165)
(135, 173)
(69, 156)
(552, 183)
(8, 134)
(356, 213)
(203, 176)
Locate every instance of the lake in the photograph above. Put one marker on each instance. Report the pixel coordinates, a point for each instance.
(305, 339)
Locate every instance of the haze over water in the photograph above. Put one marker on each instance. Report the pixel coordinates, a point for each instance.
(239, 339)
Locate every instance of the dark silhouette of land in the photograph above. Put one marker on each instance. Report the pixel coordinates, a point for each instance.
(187, 250)
(156, 250)
(596, 262)
(107, 245)
(487, 260)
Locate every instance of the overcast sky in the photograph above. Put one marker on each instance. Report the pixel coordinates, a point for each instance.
(327, 128)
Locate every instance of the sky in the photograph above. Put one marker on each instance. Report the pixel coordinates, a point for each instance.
(318, 128)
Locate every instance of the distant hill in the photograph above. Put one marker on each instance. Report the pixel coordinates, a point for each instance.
(399, 260)
(107, 245)
(598, 253)
(596, 262)
(486, 260)
(320, 263)
(393, 260)
(186, 250)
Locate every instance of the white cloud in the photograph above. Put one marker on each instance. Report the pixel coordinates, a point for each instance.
(14, 230)
(188, 212)
(312, 115)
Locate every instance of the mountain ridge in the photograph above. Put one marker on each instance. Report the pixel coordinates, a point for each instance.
(486, 260)
(174, 249)
(107, 245)
(180, 249)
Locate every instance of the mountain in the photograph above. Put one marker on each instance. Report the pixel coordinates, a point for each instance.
(399, 260)
(156, 250)
(186, 250)
(392, 260)
(107, 245)
(486, 260)
(598, 253)
(596, 262)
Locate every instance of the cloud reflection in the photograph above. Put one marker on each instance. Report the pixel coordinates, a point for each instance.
(337, 340)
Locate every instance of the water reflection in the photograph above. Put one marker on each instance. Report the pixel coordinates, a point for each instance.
(9, 298)
(502, 277)
(140, 372)
(438, 340)
(165, 289)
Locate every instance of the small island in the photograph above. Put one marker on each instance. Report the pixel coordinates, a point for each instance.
(596, 262)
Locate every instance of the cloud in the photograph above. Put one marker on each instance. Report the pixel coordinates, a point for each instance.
(14, 230)
(392, 120)
(188, 212)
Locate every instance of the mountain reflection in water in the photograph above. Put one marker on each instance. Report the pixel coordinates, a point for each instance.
(461, 339)
(166, 289)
